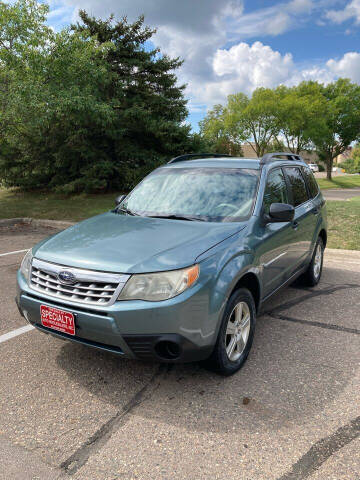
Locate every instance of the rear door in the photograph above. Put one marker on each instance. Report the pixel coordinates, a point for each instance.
(275, 255)
(304, 223)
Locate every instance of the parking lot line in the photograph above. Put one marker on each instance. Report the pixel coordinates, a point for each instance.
(15, 333)
(12, 253)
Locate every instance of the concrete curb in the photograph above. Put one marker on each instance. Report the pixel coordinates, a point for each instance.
(340, 254)
(10, 222)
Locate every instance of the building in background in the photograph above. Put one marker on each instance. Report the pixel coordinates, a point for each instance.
(309, 157)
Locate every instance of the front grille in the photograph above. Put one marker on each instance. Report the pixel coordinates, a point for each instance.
(90, 287)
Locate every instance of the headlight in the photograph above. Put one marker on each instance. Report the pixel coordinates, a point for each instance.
(26, 265)
(159, 286)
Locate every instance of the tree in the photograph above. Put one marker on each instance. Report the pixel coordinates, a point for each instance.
(214, 130)
(23, 34)
(299, 112)
(352, 164)
(57, 107)
(252, 121)
(341, 125)
(149, 106)
(88, 108)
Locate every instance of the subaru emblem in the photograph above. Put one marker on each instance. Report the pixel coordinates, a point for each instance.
(67, 277)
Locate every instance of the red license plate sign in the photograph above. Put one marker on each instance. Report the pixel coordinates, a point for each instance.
(57, 319)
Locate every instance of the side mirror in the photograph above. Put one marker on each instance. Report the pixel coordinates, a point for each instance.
(119, 199)
(280, 212)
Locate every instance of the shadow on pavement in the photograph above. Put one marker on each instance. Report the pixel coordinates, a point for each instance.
(292, 373)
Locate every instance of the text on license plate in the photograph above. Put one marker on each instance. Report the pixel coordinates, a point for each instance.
(57, 319)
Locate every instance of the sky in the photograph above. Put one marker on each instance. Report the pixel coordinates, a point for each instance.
(231, 46)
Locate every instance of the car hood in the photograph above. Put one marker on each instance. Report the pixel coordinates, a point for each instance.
(117, 243)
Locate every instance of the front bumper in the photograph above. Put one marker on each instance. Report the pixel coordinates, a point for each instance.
(177, 330)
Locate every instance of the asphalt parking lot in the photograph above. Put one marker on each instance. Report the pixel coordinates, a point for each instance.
(292, 412)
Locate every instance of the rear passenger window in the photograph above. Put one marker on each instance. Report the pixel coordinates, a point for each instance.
(311, 182)
(275, 191)
(298, 186)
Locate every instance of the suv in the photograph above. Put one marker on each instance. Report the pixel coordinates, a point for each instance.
(179, 269)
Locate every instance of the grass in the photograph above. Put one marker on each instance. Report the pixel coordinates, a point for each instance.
(51, 206)
(343, 217)
(344, 224)
(340, 182)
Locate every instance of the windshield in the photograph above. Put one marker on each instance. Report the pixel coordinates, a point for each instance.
(209, 194)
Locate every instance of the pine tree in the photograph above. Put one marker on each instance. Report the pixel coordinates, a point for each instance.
(149, 105)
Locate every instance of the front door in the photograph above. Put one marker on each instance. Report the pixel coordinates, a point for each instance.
(275, 255)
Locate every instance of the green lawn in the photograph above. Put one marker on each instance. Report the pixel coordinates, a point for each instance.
(53, 206)
(340, 182)
(344, 224)
(344, 217)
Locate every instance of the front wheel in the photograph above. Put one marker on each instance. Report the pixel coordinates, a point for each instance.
(235, 335)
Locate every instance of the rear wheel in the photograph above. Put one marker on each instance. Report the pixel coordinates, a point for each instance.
(313, 274)
(236, 334)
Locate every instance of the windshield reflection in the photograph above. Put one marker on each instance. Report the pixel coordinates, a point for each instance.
(211, 194)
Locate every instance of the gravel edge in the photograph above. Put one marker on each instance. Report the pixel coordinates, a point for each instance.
(9, 222)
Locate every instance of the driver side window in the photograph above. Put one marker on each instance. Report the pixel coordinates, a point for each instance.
(275, 191)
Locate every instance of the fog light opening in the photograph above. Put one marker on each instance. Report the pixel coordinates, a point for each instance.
(168, 350)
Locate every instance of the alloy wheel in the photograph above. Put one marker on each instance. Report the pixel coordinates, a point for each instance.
(317, 261)
(237, 331)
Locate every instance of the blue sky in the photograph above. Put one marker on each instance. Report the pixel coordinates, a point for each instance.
(239, 45)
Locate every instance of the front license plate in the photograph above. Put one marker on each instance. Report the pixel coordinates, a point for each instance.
(57, 319)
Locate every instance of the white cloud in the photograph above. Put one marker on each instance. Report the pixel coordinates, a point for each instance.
(348, 66)
(301, 6)
(198, 31)
(258, 64)
(351, 11)
(244, 67)
(273, 20)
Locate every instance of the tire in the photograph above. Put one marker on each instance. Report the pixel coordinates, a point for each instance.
(241, 305)
(313, 274)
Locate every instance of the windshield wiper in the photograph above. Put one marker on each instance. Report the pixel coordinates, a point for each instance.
(127, 211)
(178, 217)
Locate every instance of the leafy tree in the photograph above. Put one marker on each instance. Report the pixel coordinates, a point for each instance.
(352, 164)
(57, 110)
(355, 156)
(214, 130)
(252, 121)
(84, 109)
(341, 125)
(299, 112)
(22, 35)
(149, 106)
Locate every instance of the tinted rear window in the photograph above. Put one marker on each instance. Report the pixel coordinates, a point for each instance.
(298, 186)
(311, 182)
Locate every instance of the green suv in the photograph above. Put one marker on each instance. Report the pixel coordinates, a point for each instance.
(179, 269)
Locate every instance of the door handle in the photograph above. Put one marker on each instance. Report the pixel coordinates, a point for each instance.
(295, 225)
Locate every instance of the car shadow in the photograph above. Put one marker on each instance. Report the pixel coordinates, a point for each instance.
(293, 372)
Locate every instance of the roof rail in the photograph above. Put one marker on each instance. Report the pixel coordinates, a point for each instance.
(189, 156)
(269, 156)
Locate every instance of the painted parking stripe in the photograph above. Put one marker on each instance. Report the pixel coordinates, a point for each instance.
(15, 333)
(12, 253)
